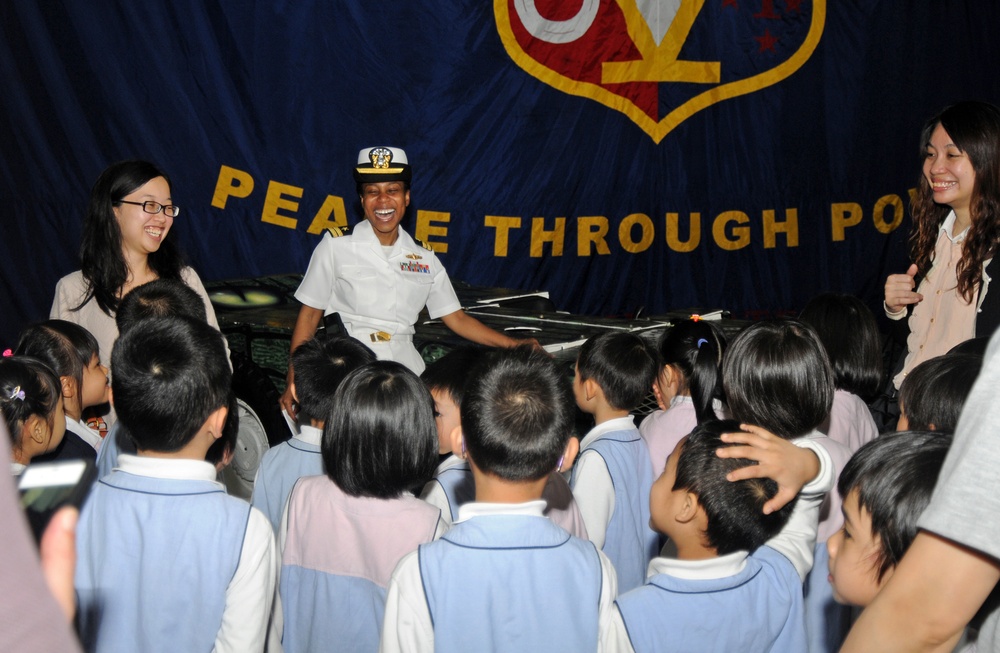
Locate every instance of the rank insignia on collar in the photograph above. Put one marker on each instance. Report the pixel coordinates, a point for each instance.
(415, 257)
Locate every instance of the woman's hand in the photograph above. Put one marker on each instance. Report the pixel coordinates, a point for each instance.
(788, 465)
(899, 290)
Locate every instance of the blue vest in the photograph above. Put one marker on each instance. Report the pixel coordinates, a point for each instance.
(511, 583)
(827, 621)
(757, 609)
(111, 448)
(629, 542)
(279, 469)
(458, 485)
(154, 560)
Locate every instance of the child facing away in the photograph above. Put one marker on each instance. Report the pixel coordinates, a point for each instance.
(612, 477)
(885, 488)
(159, 298)
(688, 387)
(932, 396)
(343, 533)
(453, 484)
(850, 337)
(320, 364)
(32, 405)
(505, 578)
(166, 560)
(734, 584)
(72, 353)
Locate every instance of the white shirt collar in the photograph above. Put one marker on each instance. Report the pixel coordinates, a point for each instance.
(949, 224)
(616, 424)
(448, 463)
(720, 567)
(181, 469)
(530, 508)
(309, 435)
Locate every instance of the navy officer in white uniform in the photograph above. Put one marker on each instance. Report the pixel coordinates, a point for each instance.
(378, 278)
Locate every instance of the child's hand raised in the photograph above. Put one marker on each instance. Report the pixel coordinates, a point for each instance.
(791, 467)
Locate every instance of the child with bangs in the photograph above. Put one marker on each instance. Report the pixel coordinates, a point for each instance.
(32, 406)
(932, 396)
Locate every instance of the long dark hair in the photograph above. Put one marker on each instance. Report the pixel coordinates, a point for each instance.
(102, 261)
(695, 349)
(975, 128)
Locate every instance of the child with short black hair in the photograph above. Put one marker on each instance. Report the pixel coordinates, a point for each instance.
(343, 533)
(73, 354)
(504, 576)
(156, 299)
(725, 590)
(885, 488)
(32, 405)
(931, 396)
(320, 365)
(159, 526)
(777, 375)
(612, 478)
(453, 484)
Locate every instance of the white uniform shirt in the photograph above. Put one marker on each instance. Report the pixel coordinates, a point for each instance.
(378, 288)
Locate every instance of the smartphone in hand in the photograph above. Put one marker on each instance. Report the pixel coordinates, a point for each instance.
(46, 487)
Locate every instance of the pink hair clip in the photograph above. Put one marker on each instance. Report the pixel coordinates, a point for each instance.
(8, 352)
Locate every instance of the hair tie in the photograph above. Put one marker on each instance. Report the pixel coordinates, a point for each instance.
(701, 341)
(7, 352)
(16, 393)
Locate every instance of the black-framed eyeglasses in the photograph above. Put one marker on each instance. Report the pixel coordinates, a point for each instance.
(150, 206)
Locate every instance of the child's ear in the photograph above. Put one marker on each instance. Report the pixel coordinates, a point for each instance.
(569, 455)
(36, 428)
(689, 508)
(295, 394)
(68, 386)
(216, 421)
(590, 389)
(457, 442)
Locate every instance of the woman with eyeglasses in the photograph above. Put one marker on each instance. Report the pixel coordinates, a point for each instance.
(124, 245)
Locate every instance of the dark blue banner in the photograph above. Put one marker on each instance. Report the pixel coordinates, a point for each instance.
(630, 155)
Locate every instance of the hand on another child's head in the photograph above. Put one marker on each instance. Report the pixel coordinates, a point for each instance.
(791, 467)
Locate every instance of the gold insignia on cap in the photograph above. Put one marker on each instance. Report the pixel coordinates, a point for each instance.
(415, 257)
(380, 157)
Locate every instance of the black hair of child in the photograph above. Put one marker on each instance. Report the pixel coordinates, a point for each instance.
(380, 439)
(169, 376)
(66, 347)
(517, 414)
(321, 364)
(622, 364)
(159, 298)
(230, 432)
(450, 373)
(933, 393)
(695, 347)
(776, 375)
(849, 332)
(734, 509)
(27, 387)
(895, 475)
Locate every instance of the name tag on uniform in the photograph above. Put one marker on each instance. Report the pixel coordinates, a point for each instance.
(412, 266)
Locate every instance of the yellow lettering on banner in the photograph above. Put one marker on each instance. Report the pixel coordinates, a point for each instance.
(741, 234)
(539, 236)
(424, 230)
(878, 214)
(275, 200)
(790, 227)
(332, 204)
(503, 225)
(625, 233)
(592, 230)
(842, 216)
(231, 183)
(674, 241)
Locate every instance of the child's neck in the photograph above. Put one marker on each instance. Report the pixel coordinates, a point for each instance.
(605, 413)
(493, 489)
(694, 549)
(196, 449)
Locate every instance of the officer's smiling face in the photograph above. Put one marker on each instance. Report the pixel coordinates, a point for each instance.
(385, 205)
